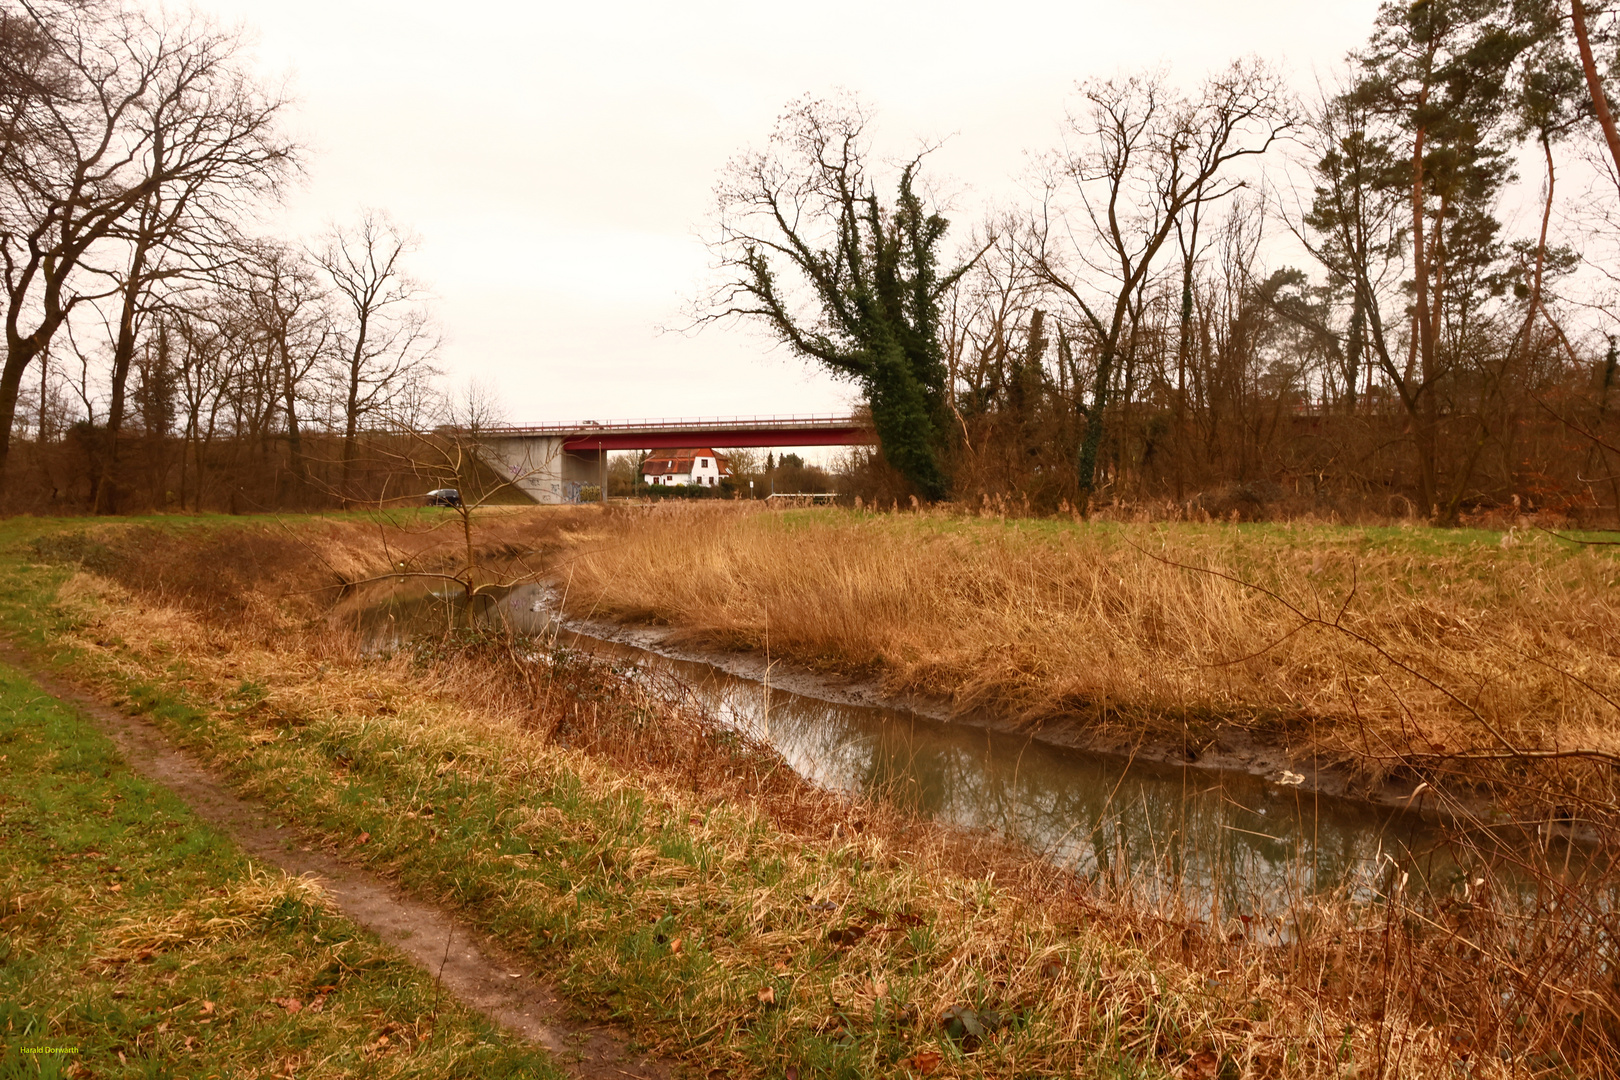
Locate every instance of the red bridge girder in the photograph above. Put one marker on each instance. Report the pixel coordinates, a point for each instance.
(673, 434)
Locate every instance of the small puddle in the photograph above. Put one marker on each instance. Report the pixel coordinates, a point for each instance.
(1203, 842)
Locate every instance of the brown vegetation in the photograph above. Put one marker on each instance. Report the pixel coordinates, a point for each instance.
(1411, 986)
(1377, 648)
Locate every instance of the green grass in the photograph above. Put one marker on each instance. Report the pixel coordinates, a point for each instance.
(646, 916)
(1387, 539)
(143, 942)
(715, 935)
(700, 926)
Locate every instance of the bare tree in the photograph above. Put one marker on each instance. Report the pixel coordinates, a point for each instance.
(387, 339)
(1143, 156)
(202, 374)
(31, 76)
(147, 128)
(211, 146)
(283, 302)
(448, 452)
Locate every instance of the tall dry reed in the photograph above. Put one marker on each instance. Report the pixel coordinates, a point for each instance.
(1382, 648)
(1477, 980)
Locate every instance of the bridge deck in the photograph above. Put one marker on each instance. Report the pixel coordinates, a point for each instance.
(801, 429)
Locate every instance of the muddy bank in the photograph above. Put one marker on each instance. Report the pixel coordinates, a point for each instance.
(1231, 750)
(409, 729)
(1205, 837)
(1366, 661)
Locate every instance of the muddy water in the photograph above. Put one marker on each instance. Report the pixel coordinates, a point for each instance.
(1220, 843)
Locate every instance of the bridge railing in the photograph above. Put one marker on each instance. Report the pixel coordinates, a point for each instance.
(785, 421)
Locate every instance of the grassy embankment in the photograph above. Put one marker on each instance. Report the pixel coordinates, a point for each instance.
(671, 876)
(137, 942)
(1456, 655)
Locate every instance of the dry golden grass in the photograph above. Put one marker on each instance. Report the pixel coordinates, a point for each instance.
(241, 908)
(1415, 986)
(1382, 647)
(1005, 930)
(248, 574)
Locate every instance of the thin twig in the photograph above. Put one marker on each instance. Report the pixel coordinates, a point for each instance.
(1577, 540)
(1511, 751)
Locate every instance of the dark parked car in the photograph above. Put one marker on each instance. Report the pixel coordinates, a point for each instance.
(444, 497)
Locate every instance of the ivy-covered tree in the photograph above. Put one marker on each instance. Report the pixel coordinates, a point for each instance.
(808, 248)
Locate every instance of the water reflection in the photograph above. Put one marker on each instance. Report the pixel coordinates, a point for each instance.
(1237, 843)
(1214, 844)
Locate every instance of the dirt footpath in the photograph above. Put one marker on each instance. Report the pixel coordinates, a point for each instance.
(474, 970)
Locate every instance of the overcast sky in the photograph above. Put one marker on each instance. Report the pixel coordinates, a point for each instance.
(558, 160)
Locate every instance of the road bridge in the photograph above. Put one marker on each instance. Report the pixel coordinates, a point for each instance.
(551, 462)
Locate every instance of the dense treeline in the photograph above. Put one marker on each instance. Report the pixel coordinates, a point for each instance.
(161, 351)
(1233, 299)
(1223, 300)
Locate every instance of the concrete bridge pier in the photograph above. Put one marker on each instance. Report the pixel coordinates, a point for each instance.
(540, 466)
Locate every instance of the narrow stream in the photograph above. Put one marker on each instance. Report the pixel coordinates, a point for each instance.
(1215, 843)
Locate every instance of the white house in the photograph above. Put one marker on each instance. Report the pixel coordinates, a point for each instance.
(679, 468)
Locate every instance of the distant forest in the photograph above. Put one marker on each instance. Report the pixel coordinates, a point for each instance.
(1223, 301)
(1233, 301)
(161, 350)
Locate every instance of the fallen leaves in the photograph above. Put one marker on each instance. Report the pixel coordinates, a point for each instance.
(1203, 1066)
(767, 996)
(292, 1005)
(845, 936)
(923, 1061)
(970, 1026)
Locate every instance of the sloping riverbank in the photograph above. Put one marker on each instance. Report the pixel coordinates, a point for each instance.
(677, 878)
(1479, 665)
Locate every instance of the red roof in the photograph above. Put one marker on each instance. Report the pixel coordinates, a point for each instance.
(678, 462)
